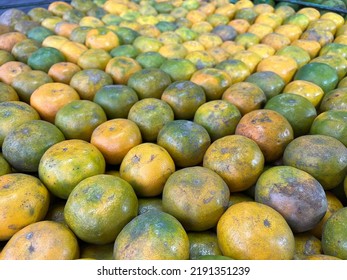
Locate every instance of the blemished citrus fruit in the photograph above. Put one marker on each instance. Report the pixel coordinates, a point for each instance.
(184, 97)
(116, 100)
(298, 54)
(149, 83)
(280, 187)
(44, 58)
(87, 82)
(121, 68)
(320, 74)
(27, 82)
(203, 243)
(271, 83)
(331, 123)
(62, 72)
(153, 235)
(115, 137)
(334, 235)
(334, 204)
(269, 129)
(237, 69)
(22, 50)
(99, 207)
(335, 60)
(79, 118)
(50, 97)
(218, 117)
(245, 96)
(251, 230)
(213, 81)
(24, 146)
(43, 240)
(24, 200)
(13, 114)
(179, 69)
(311, 91)
(11, 69)
(335, 99)
(324, 157)
(150, 59)
(196, 196)
(94, 59)
(225, 155)
(8, 93)
(299, 111)
(5, 167)
(67, 163)
(185, 141)
(306, 244)
(147, 167)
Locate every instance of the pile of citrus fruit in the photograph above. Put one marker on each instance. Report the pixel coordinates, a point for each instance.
(160, 129)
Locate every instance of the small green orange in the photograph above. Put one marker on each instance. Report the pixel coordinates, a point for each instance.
(218, 117)
(179, 69)
(298, 110)
(116, 100)
(99, 207)
(44, 58)
(79, 118)
(67, 163)
(150, 115)
(149, 83)
(153, 235)
(185, 141)
(24, 146)
(184, 97)
(332, 123)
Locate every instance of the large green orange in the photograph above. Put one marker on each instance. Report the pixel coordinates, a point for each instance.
(218, 117)
(150, 59)
(153, 235)
(196, 196)
(332, 123)
(271, 83)
(185, 141)
(184, 97)
(149, 82)
(320, 74)
(334, 236)
(24, 146)
(27, 82)
(294, 193)
(44, 58)
(13, 114)
(67, 163)
(179, 69)
(298, 110)
(150, 115)
(116, 100)
(335, 99)
(324, 157)
(79, 118)
(99, 207)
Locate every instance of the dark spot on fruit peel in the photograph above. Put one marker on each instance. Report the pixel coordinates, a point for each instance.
(31, 249)
(13, 227)
(207, 200)
(7, 186)
(135, 159)
(267, 223)
(29, 235)
(65, 149)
